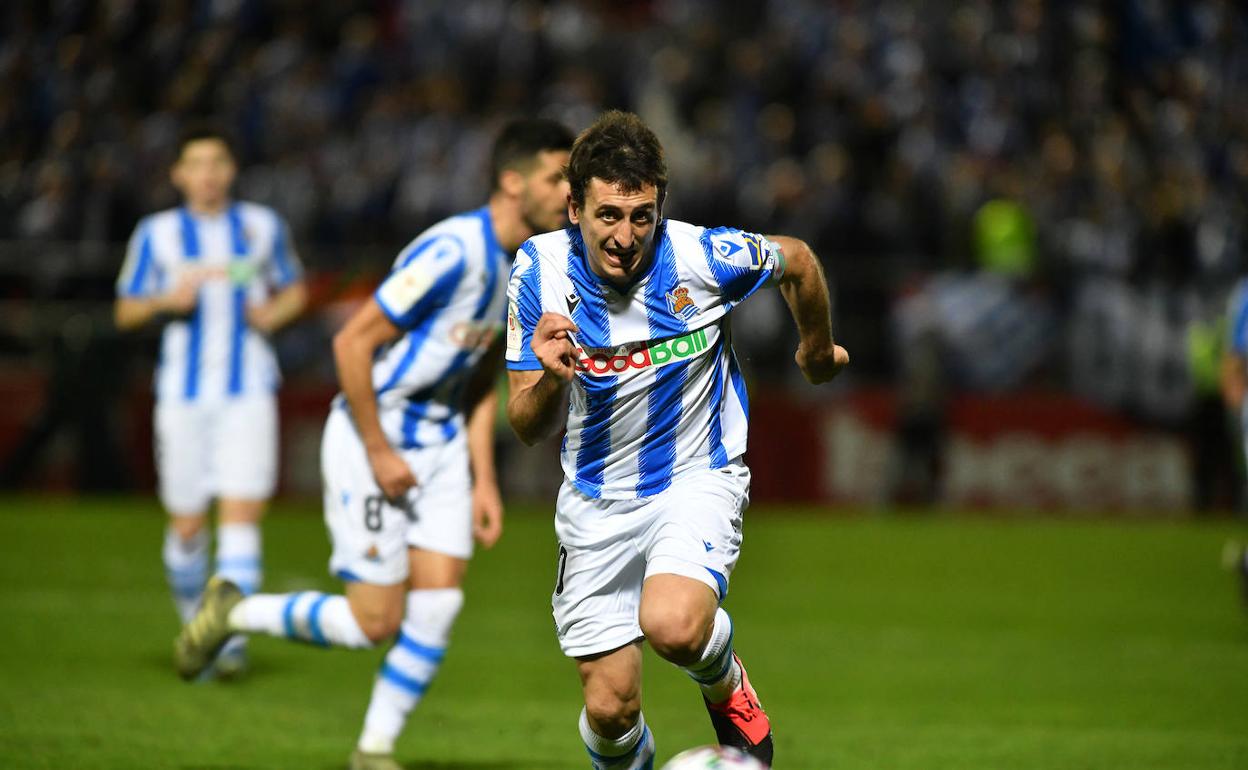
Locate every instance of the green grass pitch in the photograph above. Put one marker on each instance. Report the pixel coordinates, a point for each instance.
(875, 642)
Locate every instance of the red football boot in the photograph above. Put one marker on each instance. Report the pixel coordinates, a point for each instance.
(740, 721)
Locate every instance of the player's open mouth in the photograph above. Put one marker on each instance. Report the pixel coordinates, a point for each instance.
(621, 257)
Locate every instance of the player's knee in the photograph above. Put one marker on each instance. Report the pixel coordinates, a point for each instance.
(676, 633)
(612, 700)
(613, 713)
(378, 629)
(379, 625)
(186, 527)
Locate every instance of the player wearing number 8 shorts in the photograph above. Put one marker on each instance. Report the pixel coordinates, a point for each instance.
(407, 454)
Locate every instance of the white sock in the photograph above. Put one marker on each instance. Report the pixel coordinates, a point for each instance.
(309, 616)
(186, 568)
(410, 665)
(716, 672)
(238, 555)
(634, 750)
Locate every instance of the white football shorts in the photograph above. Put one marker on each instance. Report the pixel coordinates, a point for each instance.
(370, 534)
(607, 548)
(215, 449)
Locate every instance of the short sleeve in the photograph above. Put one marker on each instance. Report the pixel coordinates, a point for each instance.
(424, 281)
(284, 267)
(139, 273)
(741, 262)
(524, 309)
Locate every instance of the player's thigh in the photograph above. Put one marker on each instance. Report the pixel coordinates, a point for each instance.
(368, 532)
(441, 502)
(697, 532)
(183, 447)
(598, 573)
(245, 454)
(611, 685)
(431, 569)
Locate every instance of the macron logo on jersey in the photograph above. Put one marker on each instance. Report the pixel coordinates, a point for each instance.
(742, 250)
(642, 355)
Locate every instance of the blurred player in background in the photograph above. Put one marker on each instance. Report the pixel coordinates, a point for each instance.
(1235, 388)
(620, 322)
(221, 275)
(407, 457)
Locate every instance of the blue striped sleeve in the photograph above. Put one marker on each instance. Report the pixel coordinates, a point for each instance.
(424, 282)
(138, 273)
(741, 262)
(524, 309)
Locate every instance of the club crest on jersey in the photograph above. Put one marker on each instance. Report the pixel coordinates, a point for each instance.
(372, 554)
(679, 303)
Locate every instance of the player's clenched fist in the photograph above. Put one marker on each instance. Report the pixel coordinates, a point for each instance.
(185, 294)
(553, 346)
(823, 365)
(392, 474)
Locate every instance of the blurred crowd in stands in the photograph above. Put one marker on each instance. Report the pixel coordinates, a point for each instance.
(1005, 194)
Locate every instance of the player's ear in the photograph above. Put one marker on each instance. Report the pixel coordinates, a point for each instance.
(511, 182)
(574, 211)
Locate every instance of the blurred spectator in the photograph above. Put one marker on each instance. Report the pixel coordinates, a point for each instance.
(985, 330)
(875, 130)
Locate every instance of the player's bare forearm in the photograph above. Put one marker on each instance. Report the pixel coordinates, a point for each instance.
(354, 346)
(280, 309)
(537, 404)
(805, 291)
(131, 313)
(481, 439)
(481, 405)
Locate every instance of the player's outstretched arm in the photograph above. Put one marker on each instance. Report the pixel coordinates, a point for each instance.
(538, 402)
(805, 290)
(282, 308)
(480, 405)
(354, 345)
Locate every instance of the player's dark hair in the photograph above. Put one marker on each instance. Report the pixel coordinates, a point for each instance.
(520, 141)
(619, 149)
(198, 131)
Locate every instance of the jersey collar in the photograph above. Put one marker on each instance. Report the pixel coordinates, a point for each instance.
(586, 275)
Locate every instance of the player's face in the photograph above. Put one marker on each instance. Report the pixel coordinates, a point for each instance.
(618, 228)
(204, 173)
(544, 203)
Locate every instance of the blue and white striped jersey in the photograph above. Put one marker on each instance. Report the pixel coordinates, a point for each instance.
(245, 254)
(657, 390)
(448, 293)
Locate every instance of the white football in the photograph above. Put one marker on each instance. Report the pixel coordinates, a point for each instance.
(713, 758)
